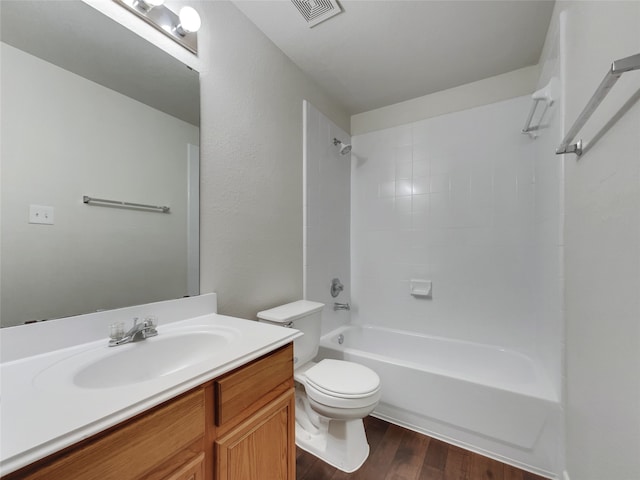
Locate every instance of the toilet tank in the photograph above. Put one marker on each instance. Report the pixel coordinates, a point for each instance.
(302, 315)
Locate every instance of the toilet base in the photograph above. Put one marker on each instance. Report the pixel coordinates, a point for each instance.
(340, 443)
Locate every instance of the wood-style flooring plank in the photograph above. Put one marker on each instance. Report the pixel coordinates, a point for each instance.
(458, 466)
(437, 454)
(375, 429)
(531, 476)
(318, 470)
(407, 462)
(485, 468)
(304, 462)
(513, 473)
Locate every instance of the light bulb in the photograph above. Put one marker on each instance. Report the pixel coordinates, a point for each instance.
(189, 21)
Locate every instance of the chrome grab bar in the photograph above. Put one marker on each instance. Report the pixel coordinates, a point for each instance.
(618, 67)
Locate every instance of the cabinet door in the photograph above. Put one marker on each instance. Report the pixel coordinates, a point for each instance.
(194, 470)
(262, 447)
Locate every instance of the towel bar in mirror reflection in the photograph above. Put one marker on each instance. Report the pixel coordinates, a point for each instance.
(139, 206)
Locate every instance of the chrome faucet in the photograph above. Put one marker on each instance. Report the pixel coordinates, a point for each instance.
(139, 331)
(341, 306)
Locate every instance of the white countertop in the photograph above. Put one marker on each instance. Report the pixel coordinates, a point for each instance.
(39, 418)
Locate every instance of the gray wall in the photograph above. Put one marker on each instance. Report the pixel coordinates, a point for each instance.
(251, 163)
(602, 262)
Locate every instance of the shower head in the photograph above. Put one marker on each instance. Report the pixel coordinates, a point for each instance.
(344, 147)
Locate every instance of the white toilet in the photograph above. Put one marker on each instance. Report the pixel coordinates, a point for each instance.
(332, 396)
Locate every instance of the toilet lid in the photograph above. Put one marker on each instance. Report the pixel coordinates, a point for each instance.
(343, 379)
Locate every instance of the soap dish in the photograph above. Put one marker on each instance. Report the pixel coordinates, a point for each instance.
(420, 288)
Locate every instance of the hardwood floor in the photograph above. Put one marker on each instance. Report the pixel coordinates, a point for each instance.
(400, 454)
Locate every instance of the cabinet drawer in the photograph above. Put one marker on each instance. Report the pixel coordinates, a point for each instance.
(248, 386)
(132, 449)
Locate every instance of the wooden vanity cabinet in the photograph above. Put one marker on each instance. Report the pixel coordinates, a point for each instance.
(192, 470)
(240, 426)
(255, 420)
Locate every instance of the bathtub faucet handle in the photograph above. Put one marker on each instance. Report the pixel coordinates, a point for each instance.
(336, 287)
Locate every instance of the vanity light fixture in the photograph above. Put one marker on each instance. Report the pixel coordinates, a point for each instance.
(181, 28)
(147, 5)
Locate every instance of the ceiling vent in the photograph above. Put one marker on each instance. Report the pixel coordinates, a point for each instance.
(316, 11)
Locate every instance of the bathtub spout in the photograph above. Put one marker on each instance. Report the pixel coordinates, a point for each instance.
(341, 306)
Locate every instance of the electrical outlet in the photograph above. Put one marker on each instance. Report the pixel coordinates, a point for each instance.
(41, 214)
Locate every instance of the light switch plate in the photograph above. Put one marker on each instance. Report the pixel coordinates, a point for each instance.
(41, 214)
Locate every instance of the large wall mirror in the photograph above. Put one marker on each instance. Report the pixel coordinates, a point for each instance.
(91, 109)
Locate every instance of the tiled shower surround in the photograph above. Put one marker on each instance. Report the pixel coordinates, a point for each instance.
(466, 201)
(463, 200)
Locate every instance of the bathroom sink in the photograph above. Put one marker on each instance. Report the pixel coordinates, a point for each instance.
(148, 359)
(142, 361)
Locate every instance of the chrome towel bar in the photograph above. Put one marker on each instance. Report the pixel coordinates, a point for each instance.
(86, 199)
(544, 94)
(615, 72)
(527, 126)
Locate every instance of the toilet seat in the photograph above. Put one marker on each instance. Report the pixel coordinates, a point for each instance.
(341, 384)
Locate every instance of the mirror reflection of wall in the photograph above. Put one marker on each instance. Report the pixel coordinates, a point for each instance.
(65, 136)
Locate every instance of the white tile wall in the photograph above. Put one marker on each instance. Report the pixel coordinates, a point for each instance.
(326, 215)
(461, 200)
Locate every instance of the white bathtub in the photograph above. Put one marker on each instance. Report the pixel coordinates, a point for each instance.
(495, 401)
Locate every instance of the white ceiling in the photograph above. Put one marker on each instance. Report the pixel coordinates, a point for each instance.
(380, 52)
